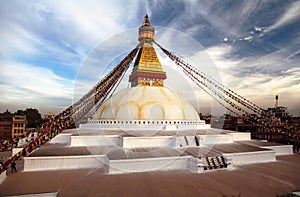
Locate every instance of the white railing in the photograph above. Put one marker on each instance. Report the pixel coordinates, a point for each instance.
(147, 122)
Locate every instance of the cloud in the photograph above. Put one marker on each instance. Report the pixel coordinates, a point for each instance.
(60, 32)
(258, 79)
(52, 39)
(247, 38)
(44, 43)
(33, 86)
(290, 15)
(214, 18)
(31, 34)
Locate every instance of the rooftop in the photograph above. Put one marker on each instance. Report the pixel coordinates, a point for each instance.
(265, 179)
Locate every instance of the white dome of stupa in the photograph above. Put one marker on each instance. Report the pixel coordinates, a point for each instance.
(146, 103)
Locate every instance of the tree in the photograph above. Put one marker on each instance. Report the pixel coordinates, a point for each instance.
(34, 118)
(20, 113)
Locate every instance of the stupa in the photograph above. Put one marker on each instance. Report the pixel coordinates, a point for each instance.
(148, 102)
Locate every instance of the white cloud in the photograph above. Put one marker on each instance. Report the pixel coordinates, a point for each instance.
(64, 32)
(57, 33)
(229, 19)
(14, 38)
(247, 38)
(33, 86)
(259, 87)
(290, 15)
(95, 20)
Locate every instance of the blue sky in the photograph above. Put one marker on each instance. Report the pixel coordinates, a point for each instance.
(254, 45)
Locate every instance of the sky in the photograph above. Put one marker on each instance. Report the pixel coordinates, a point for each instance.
(46, 47)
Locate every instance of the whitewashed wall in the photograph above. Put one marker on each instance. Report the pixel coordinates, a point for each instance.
(145, 142)
(250, 157)
(97, 140)
(240, 136)
(64, 162)
(216, 139)
(282, 149)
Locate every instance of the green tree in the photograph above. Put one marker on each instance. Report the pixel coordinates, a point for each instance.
(20, 112)
(34, 118)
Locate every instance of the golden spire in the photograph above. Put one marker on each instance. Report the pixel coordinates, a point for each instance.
(146, 20)
(147, 70)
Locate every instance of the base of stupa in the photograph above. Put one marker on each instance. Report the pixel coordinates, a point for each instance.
(118, 151)
(146, 125)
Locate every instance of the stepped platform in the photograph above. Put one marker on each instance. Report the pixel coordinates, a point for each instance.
(83, 144)
(104, 154)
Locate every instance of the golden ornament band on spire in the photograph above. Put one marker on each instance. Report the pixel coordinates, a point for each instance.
(146, 31)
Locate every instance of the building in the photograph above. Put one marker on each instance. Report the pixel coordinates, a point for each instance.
(278, 126)
(6, 125)
(18, 126)
(12, 126)
(49, 115)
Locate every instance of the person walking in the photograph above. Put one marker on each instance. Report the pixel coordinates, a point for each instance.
(13, 165)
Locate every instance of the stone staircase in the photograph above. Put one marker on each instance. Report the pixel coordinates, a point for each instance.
(212, 163)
